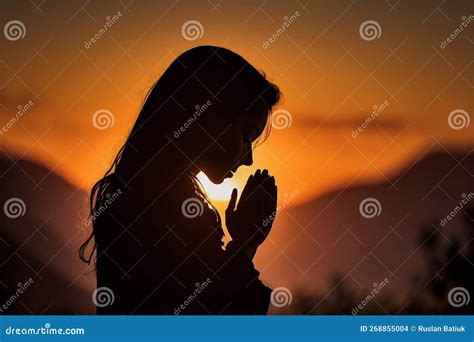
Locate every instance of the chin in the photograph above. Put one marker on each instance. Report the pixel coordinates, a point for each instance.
(216, 176)
(220, 179)
(214, 179)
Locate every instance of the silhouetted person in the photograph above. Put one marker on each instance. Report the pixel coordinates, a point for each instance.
(157, 238)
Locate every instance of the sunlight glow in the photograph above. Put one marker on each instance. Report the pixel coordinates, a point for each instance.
(216, 192)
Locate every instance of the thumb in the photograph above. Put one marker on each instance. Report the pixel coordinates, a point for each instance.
(233, 200)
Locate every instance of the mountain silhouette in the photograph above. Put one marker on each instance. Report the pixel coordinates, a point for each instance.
(308, 245)
(42, 243)
(328, 236)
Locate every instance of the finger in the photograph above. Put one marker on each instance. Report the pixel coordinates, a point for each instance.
(270, 195)
(233, 199)
(268, 206)
(269, 219)
(249, 181)
(269, 181)
(260, 199)
(275, 196)
(267, 196)
(261, 176)
(272, 181)
(247, 189)
(269, 185)
(253, 183)
(261, 179)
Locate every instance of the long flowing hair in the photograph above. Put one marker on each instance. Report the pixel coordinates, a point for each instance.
(203, 72)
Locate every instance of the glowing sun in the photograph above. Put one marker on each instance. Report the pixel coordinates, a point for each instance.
(217, 192)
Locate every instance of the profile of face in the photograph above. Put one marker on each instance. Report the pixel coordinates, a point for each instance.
(216, 139)
(229, 143)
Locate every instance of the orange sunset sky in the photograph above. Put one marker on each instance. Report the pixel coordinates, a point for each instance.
(331, 79)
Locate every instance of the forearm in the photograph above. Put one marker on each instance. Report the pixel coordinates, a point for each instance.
(248, 295)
